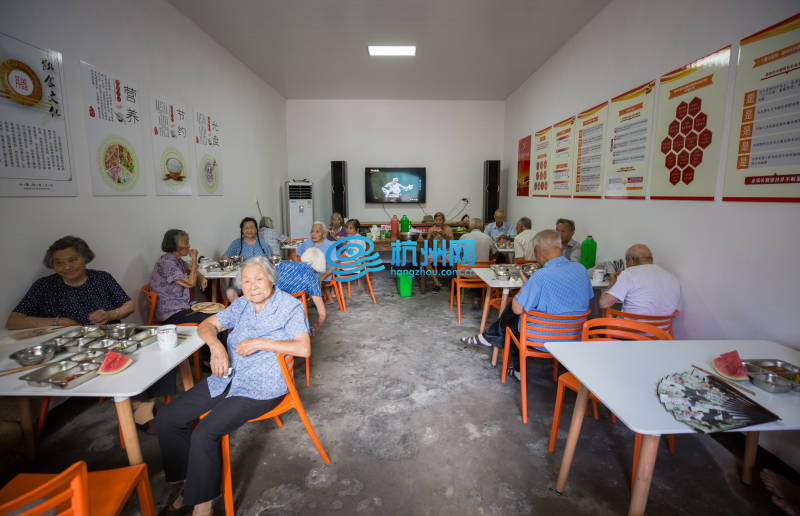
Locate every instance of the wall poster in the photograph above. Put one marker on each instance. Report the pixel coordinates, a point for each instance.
(630, 118)
(764, 149)
(691, 107)
(591, 127)
(171, 138)
(113, 133)
(208, 140)
(562, 158)
(541, 154)
(523, 166)
(34, 147)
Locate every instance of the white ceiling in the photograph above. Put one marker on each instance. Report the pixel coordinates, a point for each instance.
(466, 49)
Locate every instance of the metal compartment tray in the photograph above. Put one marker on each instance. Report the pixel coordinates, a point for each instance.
(39, 377)
(75, 376)
(774, 375)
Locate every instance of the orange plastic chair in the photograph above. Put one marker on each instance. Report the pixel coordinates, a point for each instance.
(543, 327)
(344, 274)
(337, 290)
(290, 401)
(608, 329)
(302, 297)
(465, 278)
(76, 492)
(660, 321)
(521, 261)
(152, 297)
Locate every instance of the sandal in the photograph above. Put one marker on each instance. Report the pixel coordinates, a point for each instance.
(474, 340)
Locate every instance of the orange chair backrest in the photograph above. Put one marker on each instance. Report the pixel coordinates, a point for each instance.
(662, 321)
(539, 327)
(151, 297)
(607, 328)
(465, 272)
(520, 261)
(67, 493)
(302, 297)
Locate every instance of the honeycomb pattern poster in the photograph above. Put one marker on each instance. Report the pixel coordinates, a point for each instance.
(562, 157)
(591, 127)
(541, 165)
(764, 149)
(629, 119)
(691, 108)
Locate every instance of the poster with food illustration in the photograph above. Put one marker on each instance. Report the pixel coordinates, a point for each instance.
(113, 132)
(523, 166)
(591, 128)
(562, 157)
(208, 142)
(171, 139)
(688, 139)
(630, 117)
(34, 146)
(541, 158)
(764, 148)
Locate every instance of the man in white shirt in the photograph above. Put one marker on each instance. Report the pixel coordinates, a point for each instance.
(643, 287)
(484, 248)
(523, 242)
(570, 248)
(499, 227)
(393, 189)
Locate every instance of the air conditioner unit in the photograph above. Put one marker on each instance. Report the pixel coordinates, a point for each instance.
(299, 206)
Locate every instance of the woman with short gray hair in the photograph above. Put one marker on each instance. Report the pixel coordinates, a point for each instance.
(172, 278)
(74, 294)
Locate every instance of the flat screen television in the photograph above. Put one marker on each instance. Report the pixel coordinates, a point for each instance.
(394, 184)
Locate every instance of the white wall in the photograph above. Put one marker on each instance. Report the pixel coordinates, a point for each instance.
(737, 262)
(450, 138)
(151, 43)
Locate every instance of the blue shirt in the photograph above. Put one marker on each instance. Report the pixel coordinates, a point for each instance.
(561, 287)
(493, 231)
(246, 250)
(258, 375)
(308, 244)
(296, 276)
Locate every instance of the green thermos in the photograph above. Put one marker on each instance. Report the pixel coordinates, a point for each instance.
(588, 252)
(404, 224)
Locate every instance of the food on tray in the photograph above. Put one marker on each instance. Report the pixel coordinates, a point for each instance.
(114, 363)
(730, 366)
(119, 163)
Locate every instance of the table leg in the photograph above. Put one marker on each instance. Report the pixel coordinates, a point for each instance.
(186, 375)
(214, 289)
(750, 448)
(128, 428)
(644, 474)
(503, 302)
(26, 421)
(485, 309)
(572, 438)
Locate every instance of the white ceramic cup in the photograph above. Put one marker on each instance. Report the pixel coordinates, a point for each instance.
(599, 275)
(167, 336)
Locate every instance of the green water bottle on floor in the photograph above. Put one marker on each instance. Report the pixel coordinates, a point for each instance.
(588, 252)
(404, 224)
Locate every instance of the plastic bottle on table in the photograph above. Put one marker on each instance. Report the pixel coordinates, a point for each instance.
(395, 227)
(588, 252)
(404, 224)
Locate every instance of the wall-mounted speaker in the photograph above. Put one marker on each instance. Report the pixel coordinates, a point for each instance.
(339, 187)
(491, 188)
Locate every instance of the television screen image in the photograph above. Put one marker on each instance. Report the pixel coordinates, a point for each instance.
(394, 184)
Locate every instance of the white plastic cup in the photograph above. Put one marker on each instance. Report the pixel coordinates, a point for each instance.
(599, 275)
(167, 336)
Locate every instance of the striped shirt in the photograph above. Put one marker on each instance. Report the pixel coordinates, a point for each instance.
(296, 276)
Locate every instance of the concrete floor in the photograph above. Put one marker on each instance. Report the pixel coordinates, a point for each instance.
(417, 423)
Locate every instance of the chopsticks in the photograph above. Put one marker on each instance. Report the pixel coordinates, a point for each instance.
(24, 368)
(724, 380)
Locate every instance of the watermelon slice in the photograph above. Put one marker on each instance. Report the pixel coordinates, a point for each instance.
(114, 363)
(730, 366)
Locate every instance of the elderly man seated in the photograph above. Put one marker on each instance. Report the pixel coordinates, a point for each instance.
(523, 242)
(643, 287)
(499, 227)
(560, 287)
(570, 248)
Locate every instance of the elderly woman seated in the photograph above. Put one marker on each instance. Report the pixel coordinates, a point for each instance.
(74, 294)
(172, 278)
(246, 382)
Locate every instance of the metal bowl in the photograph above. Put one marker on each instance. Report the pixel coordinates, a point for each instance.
(275, 259)
(35, 354)
(103, 343)
(409, 235)
(236, 260)
(225, 263)
(529, 268)
(771, 382)
(125, 346)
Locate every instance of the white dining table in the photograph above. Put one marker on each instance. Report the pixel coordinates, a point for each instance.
(150, 364)
(487, 275)
(624, 376)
